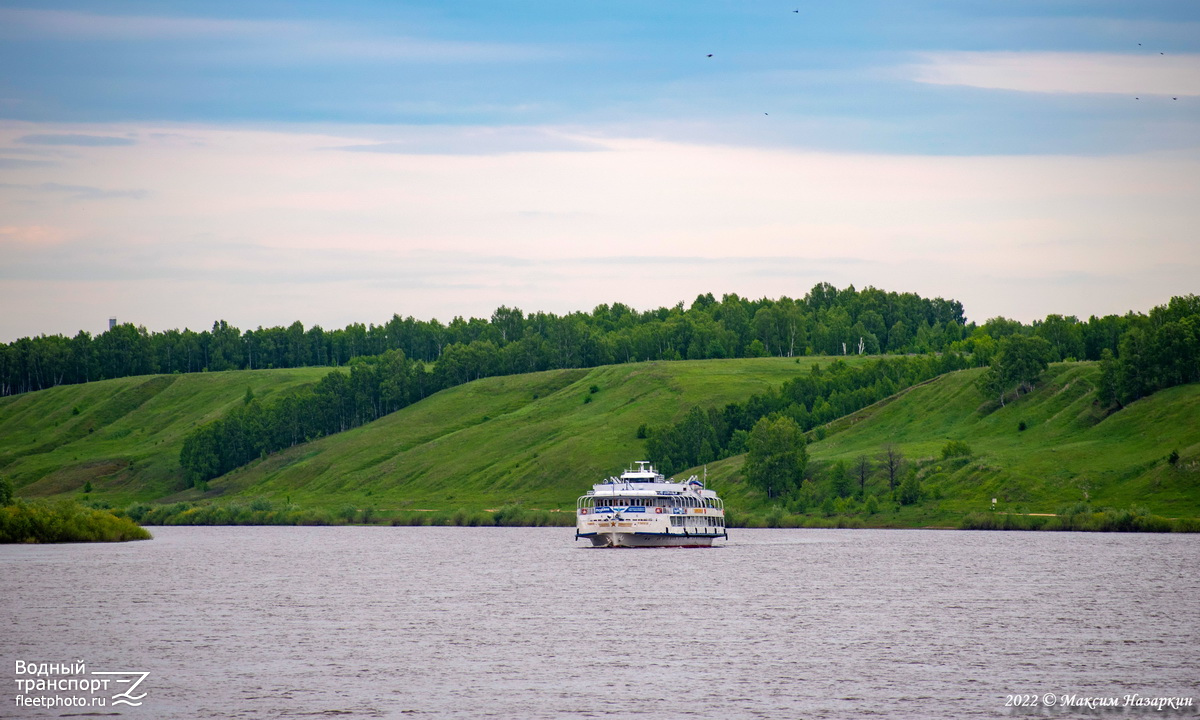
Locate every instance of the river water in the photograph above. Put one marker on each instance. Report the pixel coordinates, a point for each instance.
(432, 622)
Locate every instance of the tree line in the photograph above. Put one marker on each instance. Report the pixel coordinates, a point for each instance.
(826, 321)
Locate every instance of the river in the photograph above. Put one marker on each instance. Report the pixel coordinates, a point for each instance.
(446, 622)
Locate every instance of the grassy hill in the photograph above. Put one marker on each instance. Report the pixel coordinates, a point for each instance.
(1070, 452)
(528, 437)
(123, 436)
(542, 439)
(538, 439)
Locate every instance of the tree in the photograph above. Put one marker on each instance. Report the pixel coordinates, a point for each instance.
(1107, 392)
(6, 491)
(1018, 364)
(910, 490)
(892, 461)
(839, 480)
(776, 456)
(862, 469)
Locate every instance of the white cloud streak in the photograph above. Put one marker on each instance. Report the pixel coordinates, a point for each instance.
(262, 39)
(1063, 72)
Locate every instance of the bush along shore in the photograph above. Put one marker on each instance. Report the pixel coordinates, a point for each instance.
(262, 511)
(64, 521)
(1082, 517)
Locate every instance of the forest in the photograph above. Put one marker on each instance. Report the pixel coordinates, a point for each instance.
(827, 321)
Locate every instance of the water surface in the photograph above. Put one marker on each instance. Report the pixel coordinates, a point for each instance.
(270, 622)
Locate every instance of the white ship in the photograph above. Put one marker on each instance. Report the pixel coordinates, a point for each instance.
(643, 509)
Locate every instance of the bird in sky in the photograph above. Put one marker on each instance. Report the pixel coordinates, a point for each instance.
(710, 54)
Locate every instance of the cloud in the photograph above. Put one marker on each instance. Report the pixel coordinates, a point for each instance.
(20, 23)
(267, 225)
(77, 192)
(76, 140)
(478, 141)
(263, 39)
(22, 163)
(1062, 72)
(30, 235)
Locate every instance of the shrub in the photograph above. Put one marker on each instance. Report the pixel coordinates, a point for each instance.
(64, 521)
(956, 448)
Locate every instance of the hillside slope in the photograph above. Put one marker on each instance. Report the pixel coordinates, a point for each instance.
(1070, 451)
(540, 439)
(124, 435)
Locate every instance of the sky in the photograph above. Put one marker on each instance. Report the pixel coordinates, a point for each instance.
(175, 163)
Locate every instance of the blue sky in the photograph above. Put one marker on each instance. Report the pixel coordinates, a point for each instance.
(175, 163)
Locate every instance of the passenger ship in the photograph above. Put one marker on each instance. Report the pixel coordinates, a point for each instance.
(643, 509)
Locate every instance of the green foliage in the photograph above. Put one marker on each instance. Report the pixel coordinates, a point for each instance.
(840, 483)
(6, 491)
(509, 342)
(587, 399)
(64, 521)
(1021, 426)
(776, 456)
(259, 511)
(811, 400)
(909, 492)
(956, 448)
(248, 397)
(1020, 360)
(1173, 458)
(871, 505)
(642, 432)
(593, 389)
(1082, 518)
(338, 402)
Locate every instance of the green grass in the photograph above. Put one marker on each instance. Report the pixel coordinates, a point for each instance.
(123, 436)
(532, 443)
(528, 439)
(1071, 451)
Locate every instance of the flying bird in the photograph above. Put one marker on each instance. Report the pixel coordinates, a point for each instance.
(710, 54)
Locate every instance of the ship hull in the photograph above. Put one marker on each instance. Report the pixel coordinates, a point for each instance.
(649, 540)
